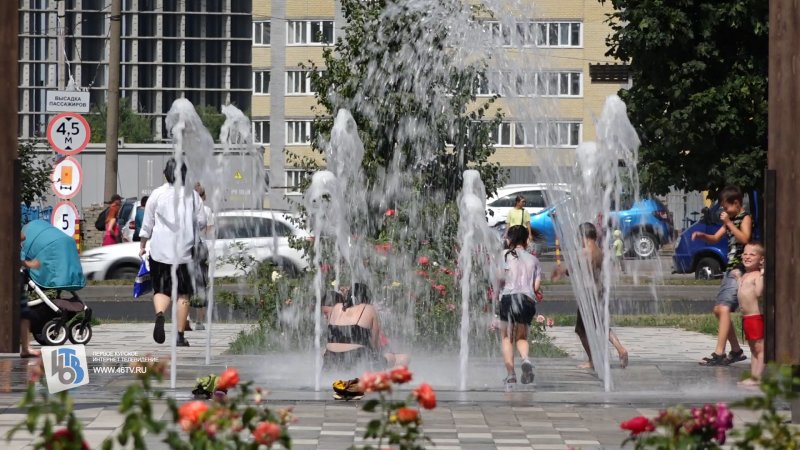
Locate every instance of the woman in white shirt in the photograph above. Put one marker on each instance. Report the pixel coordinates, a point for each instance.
(170, 219)
(521, 280)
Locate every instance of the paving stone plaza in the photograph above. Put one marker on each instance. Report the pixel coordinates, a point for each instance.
(564, 407)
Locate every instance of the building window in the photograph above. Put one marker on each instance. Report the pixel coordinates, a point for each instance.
(559, 84)
(299, 132)
(526, 34)
(260, 131)
(499, 32)
(261, 82)
(298, 82)
(309, 32)
(501, 136)
(295, 179)
(559, 34)
(564, 134)
(261, 33)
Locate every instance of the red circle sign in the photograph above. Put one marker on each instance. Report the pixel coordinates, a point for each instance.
(68, 133)
(64, 217)
(67, 178)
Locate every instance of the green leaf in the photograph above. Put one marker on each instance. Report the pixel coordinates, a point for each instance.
(370, 405)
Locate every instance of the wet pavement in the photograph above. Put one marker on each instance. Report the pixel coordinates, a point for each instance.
(564, 407)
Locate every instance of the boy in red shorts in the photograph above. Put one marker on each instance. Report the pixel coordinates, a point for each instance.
(751, 290)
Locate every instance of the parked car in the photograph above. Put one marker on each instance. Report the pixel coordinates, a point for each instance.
(706, 260)
(646, 226)
(245, 239)
(498, 206)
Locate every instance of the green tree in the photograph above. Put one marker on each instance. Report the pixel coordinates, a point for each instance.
(212, 119)
(35, 174)
(396, 75)
(133, 126)
(699, 94)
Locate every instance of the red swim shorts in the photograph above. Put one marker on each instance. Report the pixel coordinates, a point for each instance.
(753, 327)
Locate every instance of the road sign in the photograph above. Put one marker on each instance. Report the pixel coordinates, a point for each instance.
(67, 101)
(65, 215)
(68, 133)
(67, 178)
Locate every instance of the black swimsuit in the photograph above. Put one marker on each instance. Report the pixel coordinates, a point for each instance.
(350, 334)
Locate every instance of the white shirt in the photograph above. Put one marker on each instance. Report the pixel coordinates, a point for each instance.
(520, 272)
(170, 224)
(207, 230)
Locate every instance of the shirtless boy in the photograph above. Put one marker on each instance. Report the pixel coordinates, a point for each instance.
(751, 290)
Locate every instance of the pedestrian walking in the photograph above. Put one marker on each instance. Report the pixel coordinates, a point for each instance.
(171, 215)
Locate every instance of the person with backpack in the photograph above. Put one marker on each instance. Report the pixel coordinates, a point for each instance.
(112, 233)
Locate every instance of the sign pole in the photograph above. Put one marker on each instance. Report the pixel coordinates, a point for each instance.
(783, 162)
(9, 186)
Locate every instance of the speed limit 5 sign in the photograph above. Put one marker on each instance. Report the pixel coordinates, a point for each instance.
(64, 217)
(68, 133)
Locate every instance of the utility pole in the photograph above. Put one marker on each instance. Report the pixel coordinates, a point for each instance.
(782, 271)
(62, 24)
(9, 184)
(112, 105)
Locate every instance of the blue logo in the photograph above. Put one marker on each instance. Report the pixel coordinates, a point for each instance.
(65, 367)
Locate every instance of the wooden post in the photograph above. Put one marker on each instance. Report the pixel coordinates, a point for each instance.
(10, 221)
(784, 159)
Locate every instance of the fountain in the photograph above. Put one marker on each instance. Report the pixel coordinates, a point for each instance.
(349, 212)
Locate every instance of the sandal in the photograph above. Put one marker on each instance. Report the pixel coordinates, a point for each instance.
(734, 357)
(511, 379)
(714, 360)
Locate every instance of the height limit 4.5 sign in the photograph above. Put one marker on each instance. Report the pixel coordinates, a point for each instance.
(68, 133)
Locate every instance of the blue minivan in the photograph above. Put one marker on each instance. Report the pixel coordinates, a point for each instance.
(706, 260)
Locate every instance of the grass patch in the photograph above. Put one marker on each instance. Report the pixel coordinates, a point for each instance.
(700, 323)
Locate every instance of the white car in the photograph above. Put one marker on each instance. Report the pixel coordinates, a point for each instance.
(244, 240)
(536, 199)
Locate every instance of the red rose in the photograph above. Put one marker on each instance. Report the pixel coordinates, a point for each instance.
(638, 425)
(63, 437)
(400, 375)
(266, 433)
(423, 260)
(228, 379)
(425, 396)
(390, 212)
(383, 248)
(374, 382)
(441, 289)
(191, 413)
(407, 415)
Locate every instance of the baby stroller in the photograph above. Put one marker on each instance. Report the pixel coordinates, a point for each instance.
(55, 320)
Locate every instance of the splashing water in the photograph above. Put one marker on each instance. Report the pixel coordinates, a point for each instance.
(476, 241)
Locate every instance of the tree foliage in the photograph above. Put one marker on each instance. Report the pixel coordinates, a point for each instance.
(699, 95)
(394, 72)
(35, 174)
(212, 119)
(133, 127)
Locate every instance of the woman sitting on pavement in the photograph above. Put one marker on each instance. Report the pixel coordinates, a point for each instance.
(354, 334)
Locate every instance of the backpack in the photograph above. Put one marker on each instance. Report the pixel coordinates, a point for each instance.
(100, 223)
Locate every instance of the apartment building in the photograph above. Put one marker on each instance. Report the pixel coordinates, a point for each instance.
(570, 34)
(198, 49)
